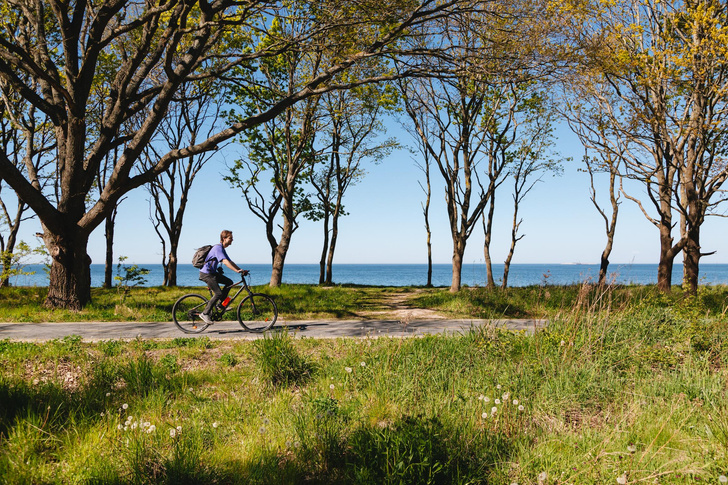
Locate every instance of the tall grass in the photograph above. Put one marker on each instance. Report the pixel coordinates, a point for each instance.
(612, 391)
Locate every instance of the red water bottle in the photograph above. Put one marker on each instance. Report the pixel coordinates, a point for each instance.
(226, 301)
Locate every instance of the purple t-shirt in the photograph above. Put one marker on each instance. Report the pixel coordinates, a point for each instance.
(214, 258)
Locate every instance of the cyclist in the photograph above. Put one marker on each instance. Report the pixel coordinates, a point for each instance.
(212, 273)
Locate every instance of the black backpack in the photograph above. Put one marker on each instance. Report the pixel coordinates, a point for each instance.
(198, 260)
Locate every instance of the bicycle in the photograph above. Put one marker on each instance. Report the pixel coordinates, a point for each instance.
(256, 313)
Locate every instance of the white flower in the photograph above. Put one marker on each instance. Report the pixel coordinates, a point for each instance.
(179, 429)
(493, 410)
(151, 429)
(486, 399)
(515, 402)
(102, 415)
(723, 479)
(146, 424)
(497, 401)
(484, 415)
(506, 396)
(215, 425)
(331, 387)
(172, 433)
(348, 370)
(119, 427)
(498, 386)
(622, 479)
(108, 394)
(125, 406)
(542, 476)
(481, 397)
(261, 430)
(521, 408)
(363, 364)
(631, 448)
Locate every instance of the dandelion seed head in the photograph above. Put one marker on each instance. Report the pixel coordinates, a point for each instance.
(543, 476)
(497, 401)
(515, 402)
(332, 386)
(108, 394)
(622, 479)
(348, 370)
(215, 424)
(631, 448)
(506, 396)
(486, 399)
(521, 408)
(151, 429)
(125, 406)
(493, 410)
(481, 397)
(498, 386)
(723, 479)
(172, 433)
(261, 430)
(484, 415)
(363, 364)
(179, 429)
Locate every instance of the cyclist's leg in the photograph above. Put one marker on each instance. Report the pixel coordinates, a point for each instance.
(227, 284)
(212, 284)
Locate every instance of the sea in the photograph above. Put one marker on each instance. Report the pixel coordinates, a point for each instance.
(473, 275)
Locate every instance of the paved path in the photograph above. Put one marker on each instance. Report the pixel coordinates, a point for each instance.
(94, 331)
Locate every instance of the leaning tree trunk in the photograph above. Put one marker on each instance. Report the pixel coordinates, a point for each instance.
(280, 252)
(70, 274)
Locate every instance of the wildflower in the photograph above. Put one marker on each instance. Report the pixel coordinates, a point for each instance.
(151, 429)
(348, 370)
(119, 427)
(484, 415)
(497, 401)
(146, 424)
(261, 430)
(493, 410)
(179, 429)
(215, 425)
(108, 394)
(723, 479)
(515, 402)
(332, 387)
(363, 364)
(521, 408)
(622, 479)
(542, 476)
(486, 399)
(631, 448)
(498, 386)
(102, 415)
(481, 397)
(125, 406)
(506, 396)
(172, 433)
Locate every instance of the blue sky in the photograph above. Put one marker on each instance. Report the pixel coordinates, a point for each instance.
(385, 224)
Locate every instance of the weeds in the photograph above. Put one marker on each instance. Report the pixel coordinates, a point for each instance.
(611, 391)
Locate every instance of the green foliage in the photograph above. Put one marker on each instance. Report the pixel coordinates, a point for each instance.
(14, 263)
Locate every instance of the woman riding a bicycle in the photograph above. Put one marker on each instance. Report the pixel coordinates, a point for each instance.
(212, 273)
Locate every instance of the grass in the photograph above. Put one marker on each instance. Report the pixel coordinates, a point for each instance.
(624, 386)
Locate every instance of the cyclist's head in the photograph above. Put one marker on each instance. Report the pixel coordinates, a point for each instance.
(225, 234)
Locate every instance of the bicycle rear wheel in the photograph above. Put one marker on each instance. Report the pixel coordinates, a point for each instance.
(186, 313)
(257, 312)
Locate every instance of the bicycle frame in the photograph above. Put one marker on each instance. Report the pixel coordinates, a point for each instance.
(235, 296)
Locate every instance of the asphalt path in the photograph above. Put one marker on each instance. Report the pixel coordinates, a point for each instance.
(95, 331)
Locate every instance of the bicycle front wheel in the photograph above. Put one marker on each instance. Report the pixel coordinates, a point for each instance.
(257, 312)
(186, 313)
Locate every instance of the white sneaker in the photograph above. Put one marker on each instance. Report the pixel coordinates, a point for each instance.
(206, 318)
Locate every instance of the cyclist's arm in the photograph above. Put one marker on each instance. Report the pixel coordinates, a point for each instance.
(232, 265)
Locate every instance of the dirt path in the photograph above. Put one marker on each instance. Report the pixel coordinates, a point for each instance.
(396, 307)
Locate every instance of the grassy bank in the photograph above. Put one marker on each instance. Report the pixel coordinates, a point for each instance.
(621, 388)
(297, 302)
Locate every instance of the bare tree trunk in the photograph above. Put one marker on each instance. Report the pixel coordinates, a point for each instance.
(323, 273)
(109, 257)
(7, 250)
(330, 257)
(457, 263)
(487, 231)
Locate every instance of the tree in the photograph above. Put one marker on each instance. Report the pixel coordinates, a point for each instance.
(194, 119)
(140, 56)
(351, 120)
(660, 80)
(25, 137)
